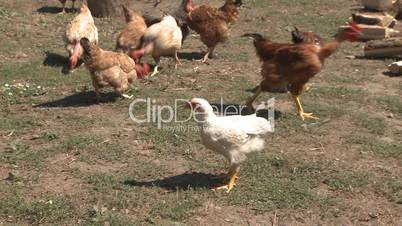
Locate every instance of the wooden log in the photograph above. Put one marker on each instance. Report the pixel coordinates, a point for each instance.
(104, 8)
(383, 48)
(395, 68)
(370, 32)
(370, 18)
(378, 5)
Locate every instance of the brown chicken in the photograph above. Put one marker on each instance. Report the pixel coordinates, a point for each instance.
(288, 67)
(63, 2)
(81, 26)
(130, 37)
(265, 47)
(110, 68)
(212, 24)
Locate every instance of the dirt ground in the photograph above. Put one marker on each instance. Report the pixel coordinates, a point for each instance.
(66, 160)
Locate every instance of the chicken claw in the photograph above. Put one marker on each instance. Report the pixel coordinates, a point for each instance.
(177, 60)
(227, 187)
(155, 71)
(233, 172)
(127, 96)
(304, 115)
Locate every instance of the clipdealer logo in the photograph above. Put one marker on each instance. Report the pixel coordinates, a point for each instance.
(163, 115)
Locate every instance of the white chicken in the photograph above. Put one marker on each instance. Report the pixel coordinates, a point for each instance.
(161, 39)
(82, 26)
(231, 136)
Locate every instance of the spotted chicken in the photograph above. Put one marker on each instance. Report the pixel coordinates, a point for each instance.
(231, 136)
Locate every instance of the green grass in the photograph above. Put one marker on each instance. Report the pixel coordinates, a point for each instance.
(125, 173)
(375, 125)
(176, 209)
(392, 103)
(379, 147)
(52, 210)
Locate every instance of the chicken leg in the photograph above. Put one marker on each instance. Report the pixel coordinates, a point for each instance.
(157, 59)
(72, 6)
(303, 115)
(96, 87)
(210, 53)
(63, 2)
(250, 101)
(177, 60)
(232, 175)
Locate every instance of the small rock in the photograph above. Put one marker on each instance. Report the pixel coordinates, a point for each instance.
(373, 215)
(11, 176)
(350, 57)
(390, 115)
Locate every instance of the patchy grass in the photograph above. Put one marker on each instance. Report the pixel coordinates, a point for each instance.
(113, 171)
(385, 148)
(52, 210)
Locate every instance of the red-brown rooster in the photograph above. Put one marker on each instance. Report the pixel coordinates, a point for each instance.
(212, 24)
(288, 67)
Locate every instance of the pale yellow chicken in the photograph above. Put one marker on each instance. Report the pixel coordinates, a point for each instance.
(81, 26)
(108, 68)
(161, 39)
(130, 37)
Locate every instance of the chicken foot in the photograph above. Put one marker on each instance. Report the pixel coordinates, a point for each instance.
(96, 87)
(64, 8)
(157, 60)
(177, 60)
(209, 54)
(233, 176)
(72, 6)
(127, 96)
(250, 101)
(303, 115)
(155, 71)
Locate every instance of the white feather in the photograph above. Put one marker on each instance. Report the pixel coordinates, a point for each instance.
(231, 136)
(166, 37)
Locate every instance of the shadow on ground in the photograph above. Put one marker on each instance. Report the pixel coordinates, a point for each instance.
(183, 181)
(57, 60)
(81, 99)
(191, 55)
(389, 74)
(54, 10)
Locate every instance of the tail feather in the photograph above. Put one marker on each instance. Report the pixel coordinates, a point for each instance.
(150, 20)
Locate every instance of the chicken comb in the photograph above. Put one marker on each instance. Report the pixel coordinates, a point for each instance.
(352, 33)
(355, 27)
